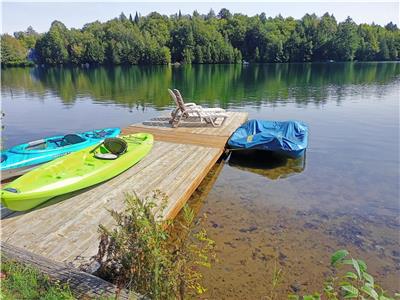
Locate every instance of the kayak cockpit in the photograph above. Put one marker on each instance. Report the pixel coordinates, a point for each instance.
(111, 148)
(67, 140)
(36, 145)
(54, 143)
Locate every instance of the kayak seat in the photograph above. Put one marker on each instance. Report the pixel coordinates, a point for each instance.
(115, 147)
(71, 139)
(3, 157)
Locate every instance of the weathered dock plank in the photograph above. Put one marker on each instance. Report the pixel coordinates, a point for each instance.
(190, 132)
(65, 228)
(82, 285)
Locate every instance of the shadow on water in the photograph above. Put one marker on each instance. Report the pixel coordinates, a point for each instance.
(197, 199)
(267, 164)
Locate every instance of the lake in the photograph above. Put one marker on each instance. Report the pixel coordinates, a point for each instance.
(265, 214)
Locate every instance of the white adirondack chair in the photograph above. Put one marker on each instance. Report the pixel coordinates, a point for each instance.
(191, 111)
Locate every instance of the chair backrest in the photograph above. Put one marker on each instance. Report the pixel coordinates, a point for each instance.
(173, 96)
(73, 139)
(116, 146)
(179, 100)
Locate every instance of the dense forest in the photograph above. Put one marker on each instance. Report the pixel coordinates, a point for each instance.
(196, 38)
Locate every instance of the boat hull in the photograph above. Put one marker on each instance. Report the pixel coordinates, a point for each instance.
(11, 173)
(71, 173)
(23, 158)
(22, 205)
(289, 154)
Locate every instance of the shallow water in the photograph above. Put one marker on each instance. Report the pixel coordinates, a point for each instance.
(273, 213)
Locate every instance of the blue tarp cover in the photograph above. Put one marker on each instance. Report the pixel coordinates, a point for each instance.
(288, 137)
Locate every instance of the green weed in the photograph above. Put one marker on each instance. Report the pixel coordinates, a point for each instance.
(25, 282)
(137, 253)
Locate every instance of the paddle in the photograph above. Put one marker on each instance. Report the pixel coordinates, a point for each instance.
(95, 148)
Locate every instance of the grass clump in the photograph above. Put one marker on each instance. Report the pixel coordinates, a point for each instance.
(137, 254)
(354, 283)
(25, 282)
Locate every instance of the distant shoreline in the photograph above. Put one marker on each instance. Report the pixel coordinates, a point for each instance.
(70, 66)
(222, 38)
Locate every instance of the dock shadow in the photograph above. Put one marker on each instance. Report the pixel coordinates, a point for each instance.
(196, 201)
(268, 164)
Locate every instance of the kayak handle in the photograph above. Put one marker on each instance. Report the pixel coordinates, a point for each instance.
(12, 190)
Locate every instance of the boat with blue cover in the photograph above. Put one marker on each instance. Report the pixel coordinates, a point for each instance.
(24, 157)
(289, 138)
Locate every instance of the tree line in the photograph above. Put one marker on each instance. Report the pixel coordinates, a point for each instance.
(199, 38)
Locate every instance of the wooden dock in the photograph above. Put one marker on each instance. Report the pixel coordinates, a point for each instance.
(65, 228)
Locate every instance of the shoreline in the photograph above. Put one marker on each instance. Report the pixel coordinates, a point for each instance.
(177, 64)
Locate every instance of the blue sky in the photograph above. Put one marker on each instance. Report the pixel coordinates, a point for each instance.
(18, 15)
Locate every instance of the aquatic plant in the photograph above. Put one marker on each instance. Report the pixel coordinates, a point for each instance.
(277, 277)
(137, 253)
(355, 283)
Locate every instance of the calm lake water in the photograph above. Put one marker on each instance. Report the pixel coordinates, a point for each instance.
(263, 213)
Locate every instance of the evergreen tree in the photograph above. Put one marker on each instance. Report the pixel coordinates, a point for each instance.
(136, 18)
(210, 15)
(224, 14)
(263, 17)
(391, 26)
(122, 17)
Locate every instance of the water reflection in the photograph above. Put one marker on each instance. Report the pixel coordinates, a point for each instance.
(224, 85)
(267, 164)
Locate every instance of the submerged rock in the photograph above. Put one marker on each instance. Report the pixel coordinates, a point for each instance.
(282, 256)
(250, 229)
(310, 226)
(295, 287)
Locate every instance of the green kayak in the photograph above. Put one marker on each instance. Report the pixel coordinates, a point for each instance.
(76, 171)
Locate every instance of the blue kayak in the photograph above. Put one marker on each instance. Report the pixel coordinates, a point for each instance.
(288, 138)
(24, 157)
